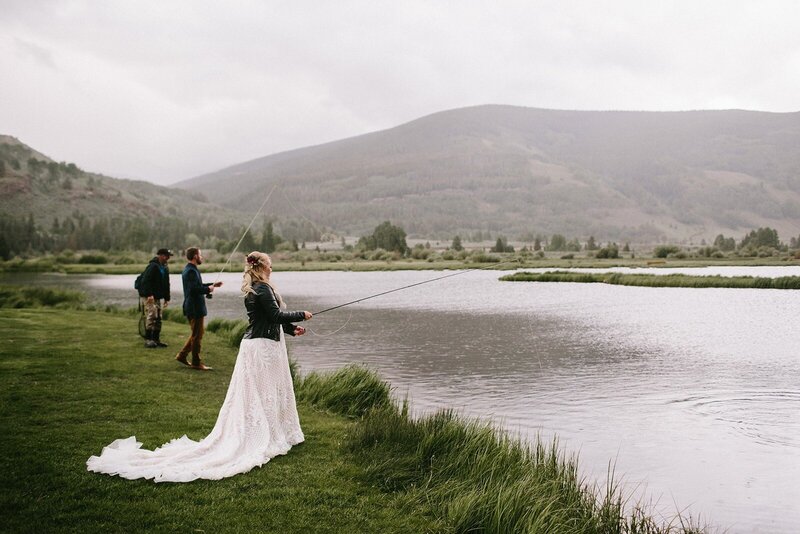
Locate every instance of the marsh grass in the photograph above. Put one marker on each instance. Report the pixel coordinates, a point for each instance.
(478, 479)
(37, 297)
(174, 315)
(231, 329)
(475, 477)
(351, 391)
(654, 280)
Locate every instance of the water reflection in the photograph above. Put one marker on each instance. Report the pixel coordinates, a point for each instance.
(694, 393)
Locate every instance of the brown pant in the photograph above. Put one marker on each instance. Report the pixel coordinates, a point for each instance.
(194, 343)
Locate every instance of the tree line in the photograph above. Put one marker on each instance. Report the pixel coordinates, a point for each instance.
(21, 236)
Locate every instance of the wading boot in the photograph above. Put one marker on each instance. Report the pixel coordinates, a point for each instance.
(157, 339)
(150, 342)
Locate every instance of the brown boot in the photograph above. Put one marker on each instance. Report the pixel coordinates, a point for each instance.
(182, 359)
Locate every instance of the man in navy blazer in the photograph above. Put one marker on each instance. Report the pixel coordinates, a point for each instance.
(194, 308)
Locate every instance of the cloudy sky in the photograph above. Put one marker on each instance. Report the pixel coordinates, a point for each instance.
(166, 90)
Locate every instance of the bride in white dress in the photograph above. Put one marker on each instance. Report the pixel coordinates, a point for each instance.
(258, 419)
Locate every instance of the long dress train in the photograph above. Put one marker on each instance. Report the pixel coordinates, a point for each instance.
(257, 422)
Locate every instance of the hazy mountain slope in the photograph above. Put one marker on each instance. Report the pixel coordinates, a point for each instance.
(33, 183)
(619, 175)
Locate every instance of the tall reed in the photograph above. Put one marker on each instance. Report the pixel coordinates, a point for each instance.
(37, 297)
(233, 330)
(475, 477)
(350, 391)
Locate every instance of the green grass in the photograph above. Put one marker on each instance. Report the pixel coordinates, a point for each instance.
(72, 381)
(654, 280)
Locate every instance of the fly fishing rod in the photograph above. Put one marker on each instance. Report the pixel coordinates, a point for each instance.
(414, 285)
(209, 295)
(363, 298)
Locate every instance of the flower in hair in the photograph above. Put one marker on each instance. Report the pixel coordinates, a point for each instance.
(253, 260)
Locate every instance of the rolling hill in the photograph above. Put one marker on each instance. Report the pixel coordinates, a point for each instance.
(621, 175)
(32, 183)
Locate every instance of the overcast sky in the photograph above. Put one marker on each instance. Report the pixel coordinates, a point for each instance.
(166, 90)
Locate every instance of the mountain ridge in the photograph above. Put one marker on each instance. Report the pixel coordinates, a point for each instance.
(623, 175)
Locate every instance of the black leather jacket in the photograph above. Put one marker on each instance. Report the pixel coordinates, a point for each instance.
(265, 317)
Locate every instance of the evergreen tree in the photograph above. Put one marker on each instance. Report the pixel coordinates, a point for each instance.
(248, 243)
(456, 245)
(268, 241)
(558, 242)
(501, 245)
(724, 244)
(5, 250)
(385, 236)
(763, 237)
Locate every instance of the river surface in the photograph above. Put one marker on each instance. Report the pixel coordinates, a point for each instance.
(692, 394)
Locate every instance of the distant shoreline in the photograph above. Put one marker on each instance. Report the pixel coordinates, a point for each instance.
(502, 262)
(655, 280)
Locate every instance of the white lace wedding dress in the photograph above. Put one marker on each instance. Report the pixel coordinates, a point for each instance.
(257, 422)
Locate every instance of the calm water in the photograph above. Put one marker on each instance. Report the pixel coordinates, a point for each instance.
(693, 394)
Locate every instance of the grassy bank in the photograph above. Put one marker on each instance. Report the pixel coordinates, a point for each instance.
(654, 280)
(72, 380)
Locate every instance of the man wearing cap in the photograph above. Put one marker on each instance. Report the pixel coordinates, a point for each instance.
(155, 296)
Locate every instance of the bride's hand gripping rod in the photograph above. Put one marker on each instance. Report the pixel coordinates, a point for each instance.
(416, 284)
(245, 233)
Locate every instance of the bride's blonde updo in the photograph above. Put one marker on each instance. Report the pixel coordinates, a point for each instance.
(255, 270)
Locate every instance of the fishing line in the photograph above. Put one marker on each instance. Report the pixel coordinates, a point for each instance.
(321, 233)
(414, 285)
(299, 213)
(245, 232)
(291, 204)
(347, 322)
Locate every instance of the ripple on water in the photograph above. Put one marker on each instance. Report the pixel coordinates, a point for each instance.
(767, 417)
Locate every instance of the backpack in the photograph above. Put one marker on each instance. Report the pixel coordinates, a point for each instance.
(137, 284)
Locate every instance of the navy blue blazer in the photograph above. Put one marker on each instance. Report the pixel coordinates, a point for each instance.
(194, 292)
